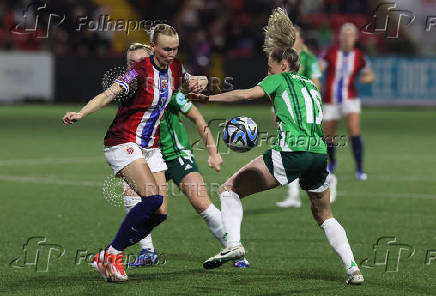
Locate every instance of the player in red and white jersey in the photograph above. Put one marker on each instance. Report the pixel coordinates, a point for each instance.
(131, 141)
(137, 120)
(343, 64)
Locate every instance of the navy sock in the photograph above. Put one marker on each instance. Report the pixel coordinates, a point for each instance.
(357, 151)
(136, 222)
(331, 152)
(145, 229)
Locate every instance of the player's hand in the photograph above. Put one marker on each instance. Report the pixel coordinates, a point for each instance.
(197, 85)
(198, 97)
(71, 117)
(215, 161)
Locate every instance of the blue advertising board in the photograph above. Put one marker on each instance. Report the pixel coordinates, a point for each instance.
(401, 81)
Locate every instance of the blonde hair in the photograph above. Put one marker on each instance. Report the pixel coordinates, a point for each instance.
(137, 45)
(162, 29)
(280, 32)
(290, 55)
(349, 26)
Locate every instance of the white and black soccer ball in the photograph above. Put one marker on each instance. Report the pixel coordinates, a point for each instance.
(240, 134)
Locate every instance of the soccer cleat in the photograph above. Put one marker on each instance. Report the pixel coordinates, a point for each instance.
(355, 279)
(361, 176)
(145, 257)
(227, 254)
(332, 184)
(241, 263)
(115, 267)
(289, 203)
(98, 264)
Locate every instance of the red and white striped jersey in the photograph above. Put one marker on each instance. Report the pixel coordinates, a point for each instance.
(138, 118)
(341, 72)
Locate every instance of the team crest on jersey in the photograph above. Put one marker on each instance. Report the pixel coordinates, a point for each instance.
(130, 150)
(164, 84)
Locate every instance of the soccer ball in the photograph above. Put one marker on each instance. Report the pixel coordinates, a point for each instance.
(240, 134)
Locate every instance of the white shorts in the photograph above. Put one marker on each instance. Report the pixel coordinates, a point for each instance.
(334, 111)
(120, 156)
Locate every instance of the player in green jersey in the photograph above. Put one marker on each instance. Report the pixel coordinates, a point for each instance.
(299, 150)
(182, 167)
(309, 69)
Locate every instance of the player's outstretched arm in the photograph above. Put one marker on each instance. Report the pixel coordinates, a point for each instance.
(94, 105)
(239, 95)
(256, 92)
(215, 159)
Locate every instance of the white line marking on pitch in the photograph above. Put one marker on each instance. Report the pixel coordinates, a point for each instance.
(389, 194)
(42, 161)
(48, 181)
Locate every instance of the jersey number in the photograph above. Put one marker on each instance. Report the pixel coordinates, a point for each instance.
(309, 99)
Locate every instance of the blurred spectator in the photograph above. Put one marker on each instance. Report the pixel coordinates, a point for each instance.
(210, 30)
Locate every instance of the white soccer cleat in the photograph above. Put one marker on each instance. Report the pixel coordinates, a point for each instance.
(355, 279)
(362, 176)
(227, 254)
(332, 185)
(289, 203)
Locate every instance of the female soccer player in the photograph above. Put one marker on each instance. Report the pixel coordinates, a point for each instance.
(182, 167)
(308, 69)
(299, 151)
(131, 142)
(344, 62)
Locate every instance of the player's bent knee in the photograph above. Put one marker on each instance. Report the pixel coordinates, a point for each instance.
(225, 187)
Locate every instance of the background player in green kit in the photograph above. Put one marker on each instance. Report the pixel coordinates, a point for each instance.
(299, 150)
(309, 69)
(182, 167)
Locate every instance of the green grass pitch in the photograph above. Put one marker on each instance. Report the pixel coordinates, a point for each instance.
(51, 186)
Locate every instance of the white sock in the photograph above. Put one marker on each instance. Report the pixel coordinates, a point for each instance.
(231, 212)
(129, 203)
(214, 221)
(147, 243)
(338, 240)
(113, 251)
(294, 191)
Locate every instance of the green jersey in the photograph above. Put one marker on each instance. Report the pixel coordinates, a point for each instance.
(174, 141)
(308, 65)
(298, 110)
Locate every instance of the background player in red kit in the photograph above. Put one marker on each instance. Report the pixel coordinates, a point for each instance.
(131, 142)
(343, 64)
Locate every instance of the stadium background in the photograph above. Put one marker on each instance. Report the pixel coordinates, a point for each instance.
(51, 176)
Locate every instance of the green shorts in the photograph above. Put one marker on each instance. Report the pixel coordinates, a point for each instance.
(310, 167)
(178, 168)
